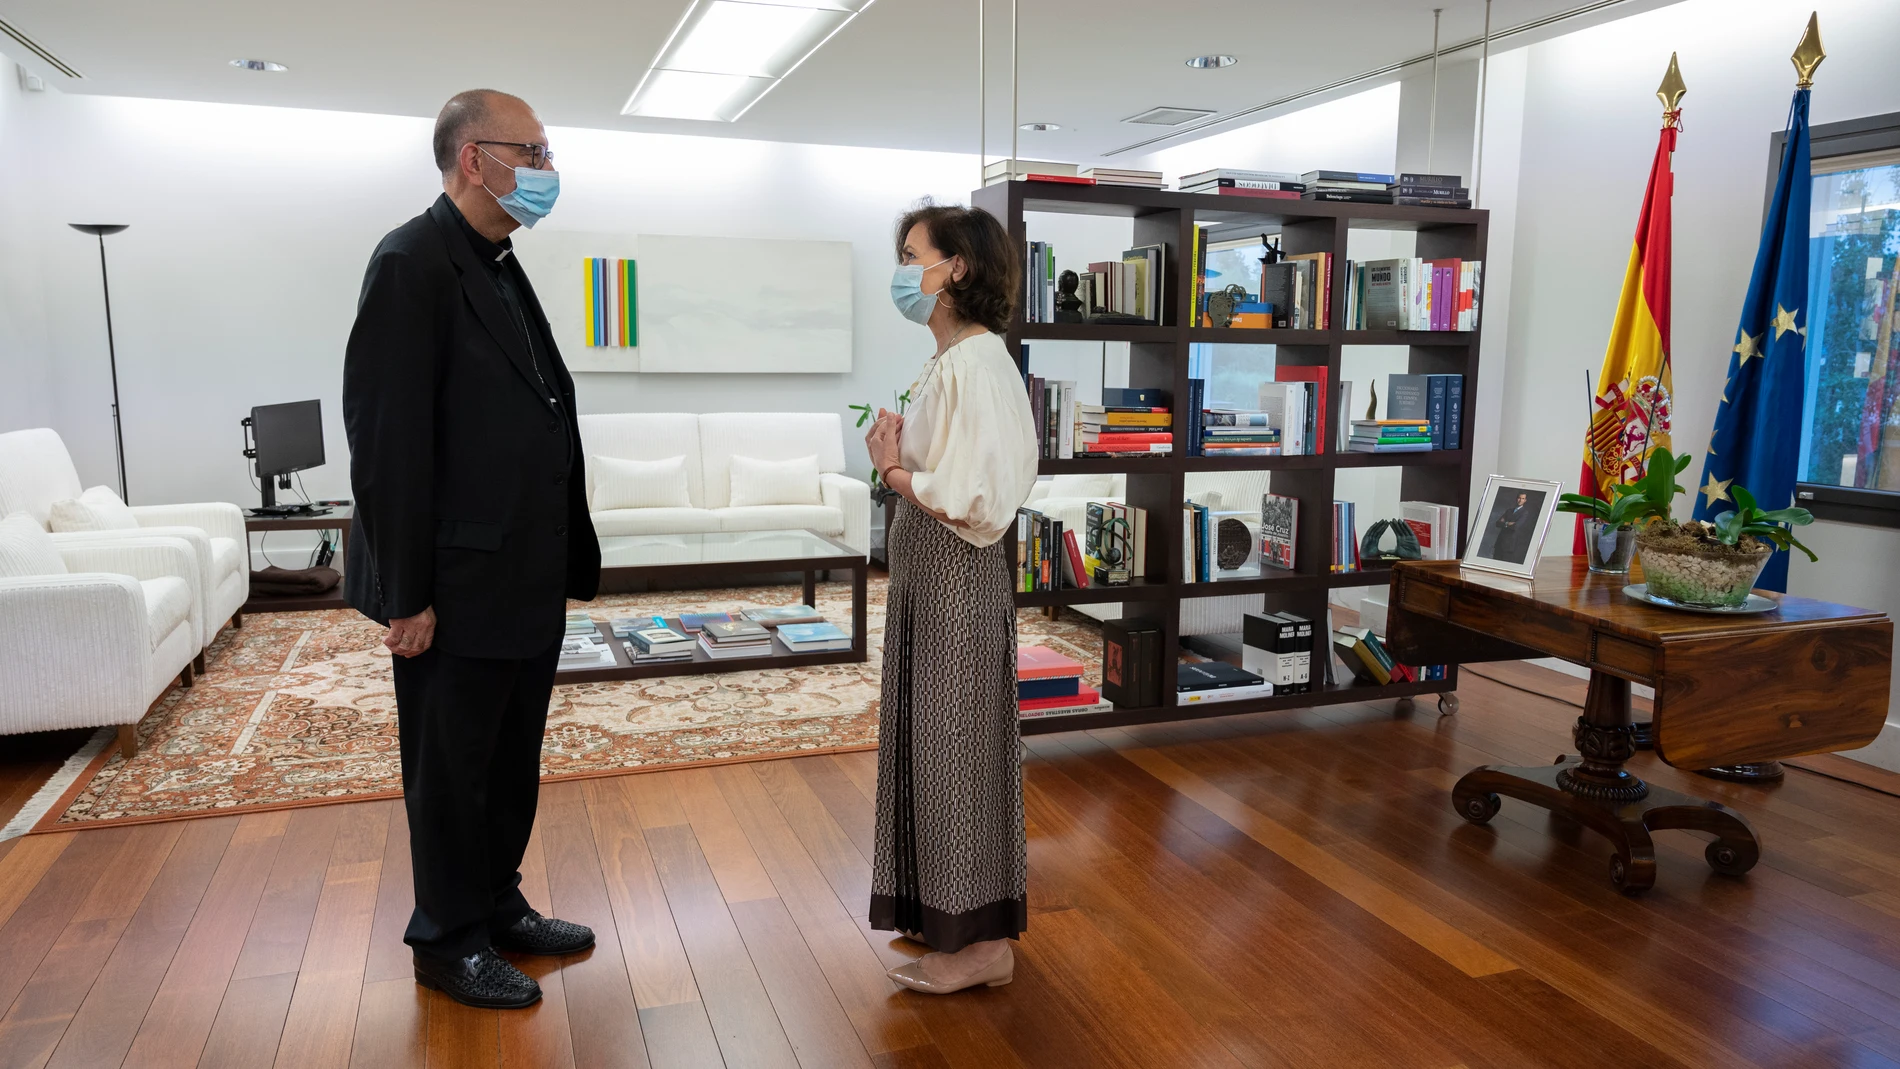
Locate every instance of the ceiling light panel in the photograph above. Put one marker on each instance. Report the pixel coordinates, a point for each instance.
(726, 54)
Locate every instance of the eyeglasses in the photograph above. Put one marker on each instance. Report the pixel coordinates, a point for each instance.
(538, 155)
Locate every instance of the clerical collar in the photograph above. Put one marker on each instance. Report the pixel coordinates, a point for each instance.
(494, 252)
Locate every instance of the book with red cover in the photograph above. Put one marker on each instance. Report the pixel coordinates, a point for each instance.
(1316, 376)
(1085, 695)
(1041, 662)
(1078, 574)
(1131, 437)
(1111, 445)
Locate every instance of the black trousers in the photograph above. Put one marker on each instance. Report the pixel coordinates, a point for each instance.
(471, 730)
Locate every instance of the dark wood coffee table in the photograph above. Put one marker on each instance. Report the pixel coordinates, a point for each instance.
(1810, 677)
(723, 556)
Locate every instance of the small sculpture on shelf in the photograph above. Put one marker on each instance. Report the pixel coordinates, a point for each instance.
(1068, 305)
(1221, 305)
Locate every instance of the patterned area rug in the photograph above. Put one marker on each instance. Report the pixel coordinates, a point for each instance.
(298, 709)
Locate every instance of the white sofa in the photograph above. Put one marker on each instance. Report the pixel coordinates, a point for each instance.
(36, 470)
(91, 633)
(709, 442)
(1066, 498)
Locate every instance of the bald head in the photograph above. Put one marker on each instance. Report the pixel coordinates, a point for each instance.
(480, 138)
(467, 116)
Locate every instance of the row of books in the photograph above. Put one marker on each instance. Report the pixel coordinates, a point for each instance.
(1129, 291)
(1293, 292)
(1423, 412)
(1279, 647)
(1111, 550)
(1406, 187)
(1345, 556)
(1371, 663)
(1289, 418)
(1429, 190)
(1073, 174)
(1240, 182)
(1128, 420)
(1435, 526)
(1049, 684)
(656, 639)
(1410, 293)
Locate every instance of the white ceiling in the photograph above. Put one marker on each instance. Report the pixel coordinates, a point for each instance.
(902, 75)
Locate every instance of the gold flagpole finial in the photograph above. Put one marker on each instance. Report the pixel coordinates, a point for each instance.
(1670, 92)
(1809, 53)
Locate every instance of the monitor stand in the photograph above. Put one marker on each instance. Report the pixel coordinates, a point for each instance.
(270, 507)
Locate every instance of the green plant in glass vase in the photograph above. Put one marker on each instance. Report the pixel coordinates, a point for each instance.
(865, 413)
(1610, 526)
(1715, 565)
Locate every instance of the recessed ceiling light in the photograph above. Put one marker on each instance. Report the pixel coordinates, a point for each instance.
(1040, 127)
(726, 54)
(258, 65)
(1210, 62)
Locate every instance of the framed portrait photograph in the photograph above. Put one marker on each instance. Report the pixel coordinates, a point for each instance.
(1512, 519)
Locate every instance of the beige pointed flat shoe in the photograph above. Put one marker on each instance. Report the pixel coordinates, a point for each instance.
(920, 975)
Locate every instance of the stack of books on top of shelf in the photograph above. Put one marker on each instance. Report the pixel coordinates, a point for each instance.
(1390, 436)
(1129, 420)
(1122, 176)
(724, 639)
(1421, 412)
(1345, 538)
(1049, 684)
(1361, 187)
(1033, 171)
(1198, 682)
(1435, 526)
(1409, 293)
(1238, 182)
(1430, 190)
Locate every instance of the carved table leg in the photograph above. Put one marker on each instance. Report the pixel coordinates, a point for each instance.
(1598, 792)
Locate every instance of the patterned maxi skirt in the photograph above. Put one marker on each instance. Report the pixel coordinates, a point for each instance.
(952, 863)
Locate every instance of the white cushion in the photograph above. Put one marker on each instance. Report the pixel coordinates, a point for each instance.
(654, 521)
(775, 482)
(1092, 486)
(821, 518)
(167, 604)
(226, 557)
(98, 509)
(724, 435)
(26, 549)
(35, 471)
(638, 484)
(647, 436)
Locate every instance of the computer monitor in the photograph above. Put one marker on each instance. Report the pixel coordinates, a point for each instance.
(285, 438)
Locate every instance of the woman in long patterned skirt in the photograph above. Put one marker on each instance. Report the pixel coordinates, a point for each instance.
(952, 866)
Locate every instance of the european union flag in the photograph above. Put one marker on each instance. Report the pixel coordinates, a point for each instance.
(1758, 424)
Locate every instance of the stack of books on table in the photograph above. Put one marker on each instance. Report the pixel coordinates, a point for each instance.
(814, 638)
(1430, 190)
(1199, 682)
(584, 651)
(1049, 684)
(1410, 293)
(1435, 526)
(650, 644)
(735, 638)
(694, 622)
(1237, 182)
(1122, 176)
(1033, 171)
(579, 623)
(779, 615)
(1361, 187)
(1390, 436)
(1345, 537)
(1127, 421)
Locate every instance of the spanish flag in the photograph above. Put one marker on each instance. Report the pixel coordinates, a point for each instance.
(1631, 415)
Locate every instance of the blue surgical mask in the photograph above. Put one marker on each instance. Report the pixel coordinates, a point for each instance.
(533, 196)
(907, 292)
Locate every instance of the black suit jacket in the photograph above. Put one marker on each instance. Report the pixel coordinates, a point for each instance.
(469, 484)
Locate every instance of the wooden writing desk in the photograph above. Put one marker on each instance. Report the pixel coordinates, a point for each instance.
(1810, 677)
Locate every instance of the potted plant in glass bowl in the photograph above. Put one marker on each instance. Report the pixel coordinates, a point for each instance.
(1714, 565)
(1609, 527)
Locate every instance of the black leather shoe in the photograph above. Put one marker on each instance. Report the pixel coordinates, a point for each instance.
(482, 979)
(535, 934)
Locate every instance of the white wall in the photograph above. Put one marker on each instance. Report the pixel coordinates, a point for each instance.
(237, 282)
(1589, 125)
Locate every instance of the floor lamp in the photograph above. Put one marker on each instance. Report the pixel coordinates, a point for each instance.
(100, 230)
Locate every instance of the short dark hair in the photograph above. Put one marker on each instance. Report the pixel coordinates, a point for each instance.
(464, 112)
(986, 294)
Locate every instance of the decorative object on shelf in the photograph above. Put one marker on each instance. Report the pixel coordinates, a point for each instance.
(1236, 545)
(1068, 305)
(1404, 543)
(101, 231)
(1221, 305)
(1372, 400)
(1513, 517)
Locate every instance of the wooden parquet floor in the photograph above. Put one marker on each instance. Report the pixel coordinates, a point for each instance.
(1286, 890)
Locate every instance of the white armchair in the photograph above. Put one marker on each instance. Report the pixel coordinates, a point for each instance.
(36, 471)
(93, 633)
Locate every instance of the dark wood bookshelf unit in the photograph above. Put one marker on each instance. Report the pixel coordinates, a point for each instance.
(1158, 357)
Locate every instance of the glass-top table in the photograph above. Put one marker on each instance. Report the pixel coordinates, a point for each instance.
(729, 558)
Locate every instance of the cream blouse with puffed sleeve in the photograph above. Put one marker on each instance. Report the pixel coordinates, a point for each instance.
(969, 441)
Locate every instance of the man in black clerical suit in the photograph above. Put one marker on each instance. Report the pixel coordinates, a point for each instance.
(471, 533)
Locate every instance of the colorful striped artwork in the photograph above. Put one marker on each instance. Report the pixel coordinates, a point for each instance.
(610, 307)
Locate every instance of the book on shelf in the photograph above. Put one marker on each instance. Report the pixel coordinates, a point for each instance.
(1041, 662)
(779, 615)
(1144, 274)
(1432, 402)
(1315, 411)
(1238, 174)
(1363, 654)
(1197, 395)
(1130, 417)
(1345, 408)
(1221, 418)
(1261, 190)
(1292, 408)
(1435, 526)
(1217, 681)
(1032, 171)
(1345, 538)
(1132, 399)
(1347, 196)
(1086, 700)
(1280, 530)
(1123, 176)
(1279, 648)
(1430, 190)
(1039, 282)
(1131, 663)
(813, 638)
(1076, 573)
(1409, 293)
(1369, 179)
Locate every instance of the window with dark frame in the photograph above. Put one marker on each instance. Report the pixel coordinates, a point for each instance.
(1850, 429)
